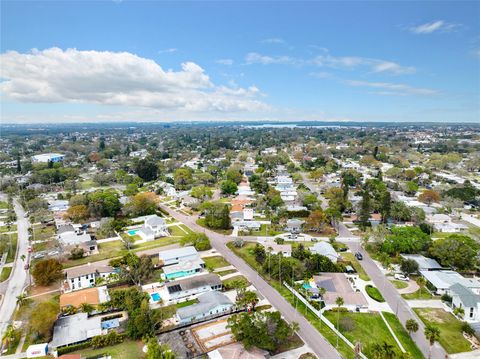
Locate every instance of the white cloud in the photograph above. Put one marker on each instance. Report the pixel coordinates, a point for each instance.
(224, 61)
(330, 61)
(273, 40)
(320, 75)
(116, 78)
(434, 26)
(168, 51)
(387, 88)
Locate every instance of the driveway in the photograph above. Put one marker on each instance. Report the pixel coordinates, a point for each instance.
(18, 279)
(307, 332)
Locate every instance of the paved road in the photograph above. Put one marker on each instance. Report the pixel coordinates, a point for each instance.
(396, 302)
(18, 278)
(307, 332)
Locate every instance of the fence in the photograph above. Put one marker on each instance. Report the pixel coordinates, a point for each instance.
(322, 318)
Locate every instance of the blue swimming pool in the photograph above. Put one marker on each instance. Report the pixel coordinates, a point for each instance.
(133, 232)
(307, 285)
(156, 297)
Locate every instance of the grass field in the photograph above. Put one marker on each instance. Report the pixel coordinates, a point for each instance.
(228, 283)
(3, 205)
(201, 222)
(41, 233)
(369, 329)
(451, 337)
(186, 303)
(402, 335)
(215, 262)
(419, 294)
(13, 228)
(374, 293)
(349, 257)
(399, 284)
(11, 253)
(126, 350)
(5, 273)
(225, 272)
(265, 230)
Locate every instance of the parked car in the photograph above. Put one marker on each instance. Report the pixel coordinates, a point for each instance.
(399, 276)
(359, 256)
(343, 249)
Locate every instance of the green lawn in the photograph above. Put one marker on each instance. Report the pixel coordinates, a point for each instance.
(368, 328)
(399, 284)
(41, 233)
(186, 303)
(3, 205)
(12, 252)
(374, 293)
(87, 184)
(402, 335)
(5, 273)
(419, 294)
(177, 232)
(349, 257)
(451, 337)
(225, 272)
(201, 222)
(246, 254)
(13, 228)
(126, 350)
(215, 262)
(228, 283)
(265, 230)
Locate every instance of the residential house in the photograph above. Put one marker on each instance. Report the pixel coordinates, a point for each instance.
(193, 286)
(75, 329)
(295, 225)
(209, 304)
(442, 280)
(444, 223)
(424, 263)
(183, 269)
(77, 278)
(463, 297)
(153, 227)
(48, 157)
(325, 249)
(177, 255)
(58, 205)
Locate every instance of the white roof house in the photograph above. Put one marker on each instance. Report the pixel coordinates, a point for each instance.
(153, 227)
(209, 303)
(325, 249)
(442, 280)
(75, 328)
(177, 255)
(72, 238)
(48, 157)
(423, 262)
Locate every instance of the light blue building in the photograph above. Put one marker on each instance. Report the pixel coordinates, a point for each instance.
(184, 269)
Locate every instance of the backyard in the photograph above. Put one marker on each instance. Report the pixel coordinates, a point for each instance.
(451, 337)
(126, 350)
(215, 262)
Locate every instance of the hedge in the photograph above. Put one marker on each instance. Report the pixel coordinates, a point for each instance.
(374, 293)
(74, 347)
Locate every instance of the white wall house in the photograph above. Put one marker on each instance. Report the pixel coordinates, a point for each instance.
(209, 304)
(443, 280)
(153, 227)
(85, 276)
(325, 249)
(193, 286)
(177, 255)
(465, 298)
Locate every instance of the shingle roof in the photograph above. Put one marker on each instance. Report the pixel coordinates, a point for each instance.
(196, 282)
(75, 328)
(206, 302)
(466, 296)
(88, 269)
(177, 253)
(155, 221)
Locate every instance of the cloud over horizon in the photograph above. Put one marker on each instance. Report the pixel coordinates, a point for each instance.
(117, 78)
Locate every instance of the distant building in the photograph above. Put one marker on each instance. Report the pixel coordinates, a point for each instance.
(58, 205)
(443, 280)
(48, 157)
(209, 304)
(423, 262)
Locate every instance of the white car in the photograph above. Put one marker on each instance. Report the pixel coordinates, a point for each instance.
(399, 276)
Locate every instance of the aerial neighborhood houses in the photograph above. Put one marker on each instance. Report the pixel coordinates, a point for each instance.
(87, 276)
(153, 227)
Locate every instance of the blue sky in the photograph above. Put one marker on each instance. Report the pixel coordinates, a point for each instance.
(174, 61)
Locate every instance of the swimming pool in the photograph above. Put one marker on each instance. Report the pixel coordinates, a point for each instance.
(307, 286)
(133, 232)
(155, 297)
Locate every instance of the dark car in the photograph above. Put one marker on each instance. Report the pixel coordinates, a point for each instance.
(359, 256)
(343, 249)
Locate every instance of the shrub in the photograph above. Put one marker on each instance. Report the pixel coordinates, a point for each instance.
(74, 347)
(467, 328)
(446, 298)
(111, 338)
(347, 324)
(374, 293)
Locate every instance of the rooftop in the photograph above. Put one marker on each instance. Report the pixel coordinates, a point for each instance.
(206, 302)
(178, 253)
(74, 329)
(466, 296)
(444, 279)
(88, 269)
(194, 282)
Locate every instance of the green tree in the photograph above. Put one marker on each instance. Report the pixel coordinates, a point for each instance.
(234, 175)
(456, 250)
(432, 334)
(199, 240)
(201, 192)
(411, 325)
(339, 302)
(365, 209)
(47, 271)
(408, 266)
(147, 169)
(43, 317)
(406, 240)
(103, 203)
(182, 178)
(228, 187)
(86, 308)
(218, 216)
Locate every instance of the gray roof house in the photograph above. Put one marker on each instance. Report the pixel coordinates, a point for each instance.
(177, 255)
(463, 297)
(325, 249)
(442, 280)
(74, 329)
(192, 286)
(209, 304)
(424, 263)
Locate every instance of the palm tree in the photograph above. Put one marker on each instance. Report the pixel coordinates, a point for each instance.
(22, 257)
(411, 325)
(9, 335)
(388, 351)
(432, 334)
(421, 283)
(86, 308)
(295, 327)
(377, 351)
(21, 299)
(459, 311)
(339, 301)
